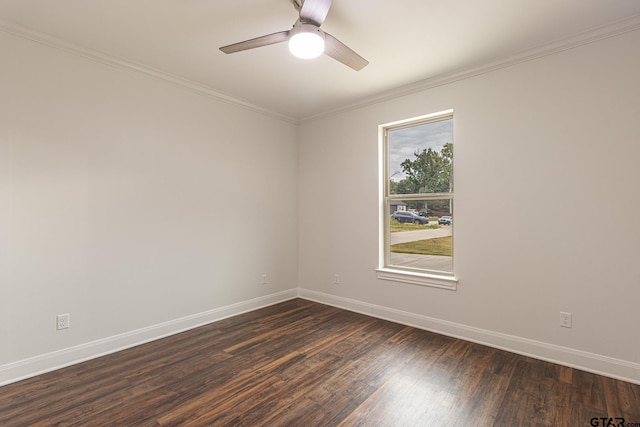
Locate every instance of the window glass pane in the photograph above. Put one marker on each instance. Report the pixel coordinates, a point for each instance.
(420, 234)
(421, 158)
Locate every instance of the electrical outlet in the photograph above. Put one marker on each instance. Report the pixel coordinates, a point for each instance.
(265, 278)
(63, 321)
(336, 279)
(565, 319)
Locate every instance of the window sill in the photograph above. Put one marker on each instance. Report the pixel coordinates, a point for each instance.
(423, 279)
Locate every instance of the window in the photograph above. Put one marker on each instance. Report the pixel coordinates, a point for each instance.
(417, 220)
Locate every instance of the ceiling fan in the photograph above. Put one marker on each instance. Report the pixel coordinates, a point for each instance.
(306, 39)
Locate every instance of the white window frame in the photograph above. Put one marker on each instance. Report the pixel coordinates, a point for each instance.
(385, 271)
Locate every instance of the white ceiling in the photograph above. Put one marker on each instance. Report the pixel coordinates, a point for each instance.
(406, 41)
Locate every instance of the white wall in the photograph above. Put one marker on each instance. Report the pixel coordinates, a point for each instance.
(127, 202)
(547, 207)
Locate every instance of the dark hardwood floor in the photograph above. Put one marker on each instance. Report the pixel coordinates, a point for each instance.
(305, 364)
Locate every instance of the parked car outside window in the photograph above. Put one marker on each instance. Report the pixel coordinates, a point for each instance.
(445, 220)
(406, 216)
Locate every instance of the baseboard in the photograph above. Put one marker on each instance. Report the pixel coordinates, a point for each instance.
(16, 371)
(590, 362)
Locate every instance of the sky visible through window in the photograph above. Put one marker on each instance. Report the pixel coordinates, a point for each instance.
(404, 142)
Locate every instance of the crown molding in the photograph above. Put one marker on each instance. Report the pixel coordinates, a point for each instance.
(125, 64)
(593, 35)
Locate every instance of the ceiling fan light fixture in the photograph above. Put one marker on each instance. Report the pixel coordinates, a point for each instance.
(306, 41)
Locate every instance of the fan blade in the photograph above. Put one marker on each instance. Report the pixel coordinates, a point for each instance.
(341, 53)
(314, 11)
(274, 38)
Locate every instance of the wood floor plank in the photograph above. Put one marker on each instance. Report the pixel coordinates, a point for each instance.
(303, 363)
